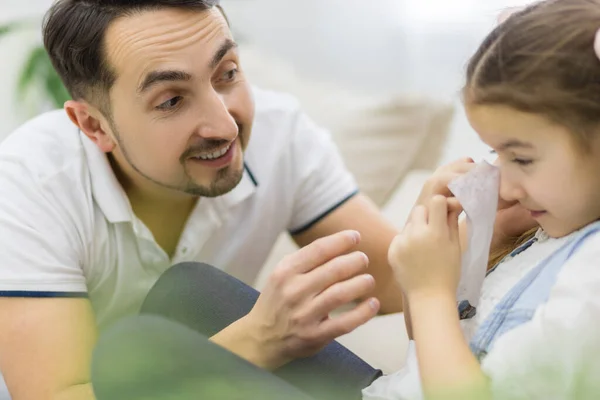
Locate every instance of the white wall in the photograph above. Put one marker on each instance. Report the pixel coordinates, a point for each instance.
(378, 46)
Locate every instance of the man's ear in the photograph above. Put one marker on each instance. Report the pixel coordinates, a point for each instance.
(92, 123)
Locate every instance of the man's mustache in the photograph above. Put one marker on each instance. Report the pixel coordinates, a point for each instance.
(207, 146)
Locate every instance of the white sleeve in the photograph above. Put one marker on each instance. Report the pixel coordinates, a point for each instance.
(40, 248)
(556, 354)
(322, 181)
(402, 385)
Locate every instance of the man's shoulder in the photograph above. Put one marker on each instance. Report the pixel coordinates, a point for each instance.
(276, 114)
(44, 144)
(273, 103)
(273, 131)
(45, 152)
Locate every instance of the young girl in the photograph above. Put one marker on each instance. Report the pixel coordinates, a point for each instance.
(533, 95)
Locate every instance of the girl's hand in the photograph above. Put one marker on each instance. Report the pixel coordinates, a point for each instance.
(426, 256)
(437, 184)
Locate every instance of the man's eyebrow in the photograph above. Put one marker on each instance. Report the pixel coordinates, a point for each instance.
(222, 52)
(511, 144)
(156, 77)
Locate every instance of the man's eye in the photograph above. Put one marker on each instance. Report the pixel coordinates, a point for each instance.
(169, 104)
(230, 75)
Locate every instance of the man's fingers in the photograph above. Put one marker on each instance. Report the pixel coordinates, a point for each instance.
(333, 328)
(322, 250)
(337, 270)
(438, 212)
(340, 294)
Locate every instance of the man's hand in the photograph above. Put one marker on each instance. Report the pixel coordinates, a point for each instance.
(291, 317)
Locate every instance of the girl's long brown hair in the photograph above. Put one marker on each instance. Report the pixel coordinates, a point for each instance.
(508, 246)
(542, 60)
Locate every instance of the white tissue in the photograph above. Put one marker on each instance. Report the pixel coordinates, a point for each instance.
(477, 192)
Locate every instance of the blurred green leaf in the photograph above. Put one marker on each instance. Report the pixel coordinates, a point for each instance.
(33, 69)
(11, 27)
(38, 80)
(55, 88)
(6, 29)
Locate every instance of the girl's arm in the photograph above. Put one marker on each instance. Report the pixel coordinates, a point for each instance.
(447, 367)
(426, 258)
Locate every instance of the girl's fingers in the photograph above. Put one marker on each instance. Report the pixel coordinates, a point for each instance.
(454, 205)
(418, 217)
(438, 212)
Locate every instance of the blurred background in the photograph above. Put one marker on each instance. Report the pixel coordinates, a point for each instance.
(383, 49)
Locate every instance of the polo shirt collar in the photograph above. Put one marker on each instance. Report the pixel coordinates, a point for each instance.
(106, 189)
(246, 188)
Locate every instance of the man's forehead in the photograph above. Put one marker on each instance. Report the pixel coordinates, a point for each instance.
(138, 41)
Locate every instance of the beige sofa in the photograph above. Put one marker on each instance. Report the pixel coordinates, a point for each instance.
(391, 144)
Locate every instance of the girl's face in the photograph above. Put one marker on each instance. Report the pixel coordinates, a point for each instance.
(542, 167)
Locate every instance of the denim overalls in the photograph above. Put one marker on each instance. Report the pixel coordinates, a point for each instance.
(521, 302)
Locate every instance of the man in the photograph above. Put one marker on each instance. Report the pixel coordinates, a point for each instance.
(153, 164)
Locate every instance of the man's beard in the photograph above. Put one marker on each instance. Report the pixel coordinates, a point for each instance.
(226, 179)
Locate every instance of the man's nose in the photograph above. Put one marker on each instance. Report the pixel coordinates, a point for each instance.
(216, 122)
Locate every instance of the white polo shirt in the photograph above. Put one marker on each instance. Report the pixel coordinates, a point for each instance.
(67, 228)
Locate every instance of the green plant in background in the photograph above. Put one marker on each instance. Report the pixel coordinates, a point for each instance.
(38, 78)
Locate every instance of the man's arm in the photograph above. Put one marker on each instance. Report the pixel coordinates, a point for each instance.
(360, 214)
(46, 347)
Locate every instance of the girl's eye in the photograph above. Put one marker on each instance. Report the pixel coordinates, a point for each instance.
(169, 104)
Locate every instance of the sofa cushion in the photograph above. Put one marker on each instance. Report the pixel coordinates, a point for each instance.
(380, 138)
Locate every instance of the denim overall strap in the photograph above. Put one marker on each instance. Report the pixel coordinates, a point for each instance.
(465, 309)
(521, 302)
(514, 253)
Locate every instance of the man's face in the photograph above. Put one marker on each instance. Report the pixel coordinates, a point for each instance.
(181, 108)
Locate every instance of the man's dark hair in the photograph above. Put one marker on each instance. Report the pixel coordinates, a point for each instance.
(74, 37)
